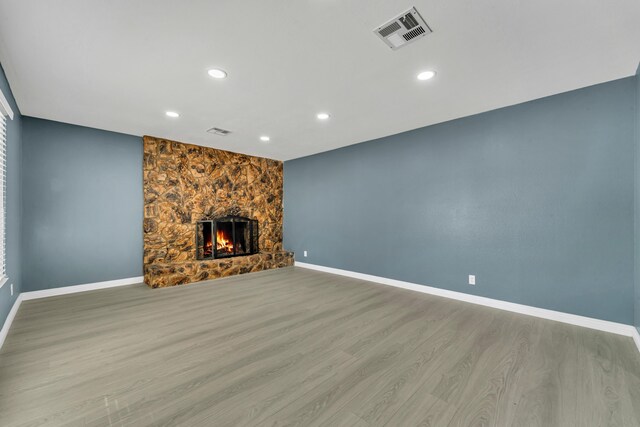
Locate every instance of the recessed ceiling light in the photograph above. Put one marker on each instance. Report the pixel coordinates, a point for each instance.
(265, 138)
(217, 73)
(323, 116)
(426, 75)
(172, 114)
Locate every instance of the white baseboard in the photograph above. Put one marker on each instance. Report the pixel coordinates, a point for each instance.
(636, 338)
(80, 288)
(9, 320)
(573, 319)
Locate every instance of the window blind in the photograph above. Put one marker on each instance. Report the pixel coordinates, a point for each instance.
(3, 196)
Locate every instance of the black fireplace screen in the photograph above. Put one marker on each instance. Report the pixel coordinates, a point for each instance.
(226, 237)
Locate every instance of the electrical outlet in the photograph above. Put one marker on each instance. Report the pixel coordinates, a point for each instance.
(472, 279)
(305, 254)
(12, 289)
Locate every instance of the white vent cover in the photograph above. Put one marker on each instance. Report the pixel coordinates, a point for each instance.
(403, 29)
(218, 131)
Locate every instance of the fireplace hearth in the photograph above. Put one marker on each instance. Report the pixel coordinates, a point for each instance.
(226, 237)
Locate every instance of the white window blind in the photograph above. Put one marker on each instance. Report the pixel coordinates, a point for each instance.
(3, 196)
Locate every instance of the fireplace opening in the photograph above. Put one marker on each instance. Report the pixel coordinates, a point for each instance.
(226, 237)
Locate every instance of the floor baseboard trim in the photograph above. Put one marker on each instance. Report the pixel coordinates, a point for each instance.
(636, 338)
(9, 320)
(80, 288)
(573, 319)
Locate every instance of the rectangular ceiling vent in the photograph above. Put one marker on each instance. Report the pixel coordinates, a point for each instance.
(218, 131)
(403, 29)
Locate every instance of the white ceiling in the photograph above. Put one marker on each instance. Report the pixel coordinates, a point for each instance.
(119, 65)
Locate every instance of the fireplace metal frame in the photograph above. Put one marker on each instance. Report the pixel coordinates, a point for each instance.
(254, 235)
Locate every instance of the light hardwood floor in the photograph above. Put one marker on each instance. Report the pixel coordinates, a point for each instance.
(300, 347)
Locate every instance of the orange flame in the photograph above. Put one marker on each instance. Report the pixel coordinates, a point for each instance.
(223, 243)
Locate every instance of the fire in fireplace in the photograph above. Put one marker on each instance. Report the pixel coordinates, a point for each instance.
(226, 237)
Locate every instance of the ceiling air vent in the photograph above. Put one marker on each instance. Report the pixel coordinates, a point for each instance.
(403, 29)
(218, 131)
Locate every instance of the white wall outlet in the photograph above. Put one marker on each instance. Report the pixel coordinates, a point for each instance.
(12, 289)
(305, 254)
(472, 279)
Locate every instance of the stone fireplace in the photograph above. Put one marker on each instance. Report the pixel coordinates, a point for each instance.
(209, 213)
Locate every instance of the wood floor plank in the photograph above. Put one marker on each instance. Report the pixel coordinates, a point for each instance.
(301, 347)
(490, 389)
(603, 391)
(317, 406)
(546, 394)
(422, 409)
(401, 380)
(431, 366)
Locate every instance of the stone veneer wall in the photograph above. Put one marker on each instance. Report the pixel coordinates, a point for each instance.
(184, 183)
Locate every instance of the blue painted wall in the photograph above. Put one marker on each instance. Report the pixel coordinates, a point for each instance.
(14, 196)
(536, 199)
(82, 205)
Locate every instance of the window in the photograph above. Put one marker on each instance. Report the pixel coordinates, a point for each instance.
(5, 114)
(3, 196)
